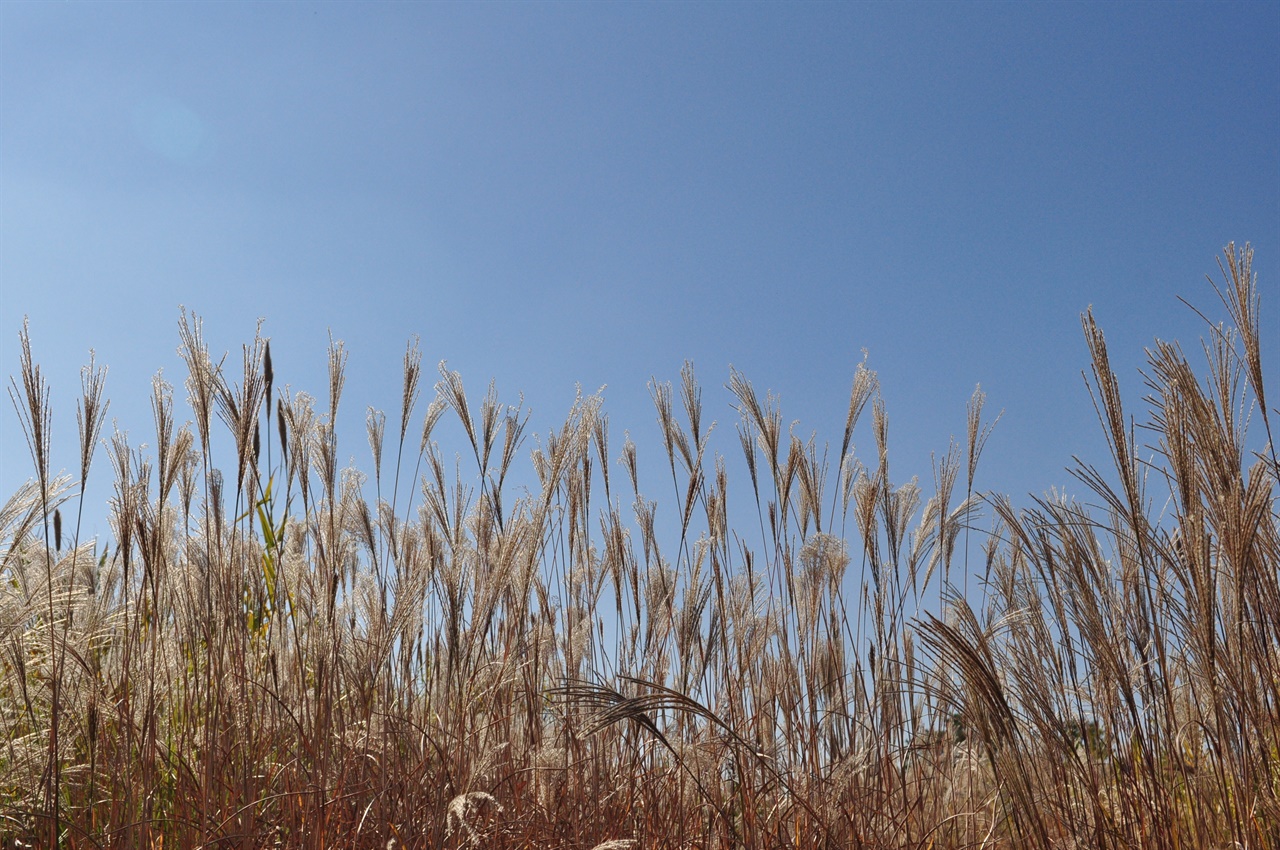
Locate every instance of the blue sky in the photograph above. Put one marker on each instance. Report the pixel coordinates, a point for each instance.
(553, 195)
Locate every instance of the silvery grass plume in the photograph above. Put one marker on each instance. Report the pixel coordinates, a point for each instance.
(466, 808)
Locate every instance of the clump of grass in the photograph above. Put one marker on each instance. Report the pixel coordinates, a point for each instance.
(274, 651)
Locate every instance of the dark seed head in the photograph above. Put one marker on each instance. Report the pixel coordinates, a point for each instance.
(282, 428)
(267, 372)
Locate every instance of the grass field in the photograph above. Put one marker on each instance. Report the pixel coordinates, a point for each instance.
(278, 652)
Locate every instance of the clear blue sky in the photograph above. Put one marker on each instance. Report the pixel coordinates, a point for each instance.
(592, 193)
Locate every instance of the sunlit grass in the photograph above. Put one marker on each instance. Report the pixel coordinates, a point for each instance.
(277, 652)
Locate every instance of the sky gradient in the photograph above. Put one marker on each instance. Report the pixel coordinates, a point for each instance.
(555, 195)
